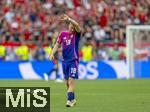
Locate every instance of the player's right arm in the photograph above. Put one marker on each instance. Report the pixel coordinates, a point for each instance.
(56, 46)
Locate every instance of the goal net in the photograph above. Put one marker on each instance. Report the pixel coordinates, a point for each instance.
(138, 48)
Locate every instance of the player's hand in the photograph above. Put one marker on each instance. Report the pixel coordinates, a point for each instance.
(52, 57)
(64, 17)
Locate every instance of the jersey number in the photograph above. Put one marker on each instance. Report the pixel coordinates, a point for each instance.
(73, 70)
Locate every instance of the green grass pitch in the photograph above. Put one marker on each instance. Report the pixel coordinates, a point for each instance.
(96, 95)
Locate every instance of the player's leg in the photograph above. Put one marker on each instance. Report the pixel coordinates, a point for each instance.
(70, 89)
(65, 72)
(66, 77)
(70, 93)
(73, 68)
(67, 84)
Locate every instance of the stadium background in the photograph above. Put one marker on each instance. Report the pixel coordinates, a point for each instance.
(29, 28)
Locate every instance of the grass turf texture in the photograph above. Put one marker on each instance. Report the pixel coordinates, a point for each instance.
(96, 95)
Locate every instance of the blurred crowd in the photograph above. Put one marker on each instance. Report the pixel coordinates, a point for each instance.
(29, 28)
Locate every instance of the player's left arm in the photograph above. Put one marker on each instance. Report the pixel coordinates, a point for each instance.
(72, 21)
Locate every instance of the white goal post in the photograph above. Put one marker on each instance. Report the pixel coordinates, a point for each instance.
(134, 41)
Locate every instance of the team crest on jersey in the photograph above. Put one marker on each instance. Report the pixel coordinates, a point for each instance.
(65, 38)
(68, 42)
(71, 36)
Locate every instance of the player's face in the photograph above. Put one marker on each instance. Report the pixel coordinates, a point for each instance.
(71, 28)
